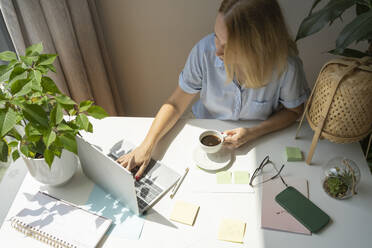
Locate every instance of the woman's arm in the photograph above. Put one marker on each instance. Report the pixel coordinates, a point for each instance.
(165, 119)
(281, 119)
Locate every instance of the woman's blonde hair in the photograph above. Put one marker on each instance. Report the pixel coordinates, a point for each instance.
(258, 43)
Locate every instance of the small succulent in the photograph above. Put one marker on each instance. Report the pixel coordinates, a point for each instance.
(339, 182)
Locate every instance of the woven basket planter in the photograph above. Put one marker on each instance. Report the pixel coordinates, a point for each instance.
(340, 105)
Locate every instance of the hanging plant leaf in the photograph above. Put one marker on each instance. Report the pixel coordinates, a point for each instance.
(359, 29)
(315, 22)
(315, 3)
(348, 52)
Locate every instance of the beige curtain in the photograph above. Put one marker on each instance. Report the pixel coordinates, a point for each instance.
(70, 28)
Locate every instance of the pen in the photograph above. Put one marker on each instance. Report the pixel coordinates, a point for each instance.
(179, 183)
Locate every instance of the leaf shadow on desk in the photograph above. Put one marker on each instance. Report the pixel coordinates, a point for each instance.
(44, 210)
(107, 205)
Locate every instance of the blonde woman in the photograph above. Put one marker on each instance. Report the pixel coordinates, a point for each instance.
(247, 70)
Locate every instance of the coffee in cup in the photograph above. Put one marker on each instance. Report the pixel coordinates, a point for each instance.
(211, 141)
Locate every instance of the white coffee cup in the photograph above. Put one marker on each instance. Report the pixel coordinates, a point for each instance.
(211, 141)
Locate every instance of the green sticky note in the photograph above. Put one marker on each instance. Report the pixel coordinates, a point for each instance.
(224, 177)
(293, 154)
(241, 177)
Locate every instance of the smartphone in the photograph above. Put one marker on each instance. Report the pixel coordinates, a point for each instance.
(304, 210)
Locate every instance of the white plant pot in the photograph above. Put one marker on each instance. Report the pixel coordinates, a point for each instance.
(61, 171)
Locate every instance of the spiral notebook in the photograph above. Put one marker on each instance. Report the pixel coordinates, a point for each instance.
(60, 223)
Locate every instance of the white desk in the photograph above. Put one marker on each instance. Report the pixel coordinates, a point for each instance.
(351, 219)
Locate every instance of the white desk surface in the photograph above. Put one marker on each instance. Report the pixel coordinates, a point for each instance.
(351, 219)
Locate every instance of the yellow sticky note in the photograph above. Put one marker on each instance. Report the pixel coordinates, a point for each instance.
(223, 177)
(231, 230)
(184, 212)
(241, 177)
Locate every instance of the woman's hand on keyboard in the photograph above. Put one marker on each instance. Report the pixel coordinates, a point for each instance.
(136, 159)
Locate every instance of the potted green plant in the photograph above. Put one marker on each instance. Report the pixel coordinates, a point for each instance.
(340, 107)
(341, 177)
(359, 29)
(38, 121)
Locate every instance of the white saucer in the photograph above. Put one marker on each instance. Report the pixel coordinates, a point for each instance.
(211, 162)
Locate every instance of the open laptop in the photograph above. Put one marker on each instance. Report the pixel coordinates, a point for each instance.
(101, 167)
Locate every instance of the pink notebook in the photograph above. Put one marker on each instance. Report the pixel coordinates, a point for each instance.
(273, 216)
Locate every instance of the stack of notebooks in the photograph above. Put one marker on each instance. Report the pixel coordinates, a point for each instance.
(60, 223)
(273, 216)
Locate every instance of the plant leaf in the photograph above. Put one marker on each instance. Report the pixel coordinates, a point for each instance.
(46, 59)
(56, 115)
(5, 72)
(8, 119)
(356, 30)
(25, 150)
(90, 128)
(3, 151)
(35, 114)
(17, 73)
(64, 127)
(49, 86)
(36, 75)
(28, 60)
(35, 85)
(97, 112)
(15, 155)
(17, 85)
(347, 52)
(65, 100)
(363, 6)
(25, 89)
(316, 21)
(35, 49)
(15, 134)
(49, 157)
(8, 56)
(315, 3)
(13, 144)
(69, 142)
(49, 138)
(82, 121)
(51, 67)
(32, 134)
(85, 105)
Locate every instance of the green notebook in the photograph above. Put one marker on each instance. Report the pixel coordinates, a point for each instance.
(300, 207)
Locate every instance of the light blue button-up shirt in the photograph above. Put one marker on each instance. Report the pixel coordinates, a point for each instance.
(204, 72)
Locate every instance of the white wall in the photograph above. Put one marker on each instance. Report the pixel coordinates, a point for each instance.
(149, 42)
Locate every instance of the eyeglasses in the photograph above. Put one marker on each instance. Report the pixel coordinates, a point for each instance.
(264, 162)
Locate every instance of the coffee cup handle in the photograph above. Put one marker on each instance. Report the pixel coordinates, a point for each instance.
(224, 135)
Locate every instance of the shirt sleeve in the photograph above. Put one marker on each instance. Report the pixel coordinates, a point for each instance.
(294, 89)
(190, 79)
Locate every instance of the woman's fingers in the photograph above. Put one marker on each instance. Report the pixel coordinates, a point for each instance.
(133, 160)
(131, 164)
(141, 170)
(123, 160)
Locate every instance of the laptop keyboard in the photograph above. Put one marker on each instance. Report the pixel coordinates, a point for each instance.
(146, 191)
